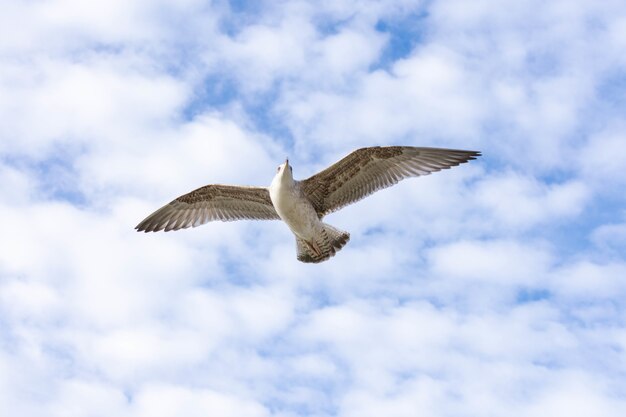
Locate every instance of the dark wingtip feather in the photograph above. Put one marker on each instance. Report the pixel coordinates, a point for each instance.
(147, 225)
(470, 155)
(142, 227)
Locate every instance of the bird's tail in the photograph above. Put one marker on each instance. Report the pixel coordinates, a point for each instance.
(323, 246)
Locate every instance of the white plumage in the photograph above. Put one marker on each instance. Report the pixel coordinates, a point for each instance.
(303, 204)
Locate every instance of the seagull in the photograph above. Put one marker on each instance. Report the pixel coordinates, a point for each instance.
(303, 204)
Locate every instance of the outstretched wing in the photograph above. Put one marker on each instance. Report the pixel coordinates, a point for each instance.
(368, 170)
(212, 202)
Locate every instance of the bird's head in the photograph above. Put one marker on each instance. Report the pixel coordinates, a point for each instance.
(284, 171)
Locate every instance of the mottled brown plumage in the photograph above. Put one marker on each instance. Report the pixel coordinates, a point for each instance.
(368, 170)
(212, 202)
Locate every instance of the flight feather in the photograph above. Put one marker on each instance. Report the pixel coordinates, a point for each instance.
(211, 202)
(368, 170)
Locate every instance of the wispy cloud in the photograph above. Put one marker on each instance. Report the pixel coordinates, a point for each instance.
(494, 288)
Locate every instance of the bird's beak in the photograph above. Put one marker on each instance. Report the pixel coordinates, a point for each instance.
(286, 162)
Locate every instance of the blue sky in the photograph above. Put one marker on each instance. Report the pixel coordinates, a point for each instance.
(494, 288)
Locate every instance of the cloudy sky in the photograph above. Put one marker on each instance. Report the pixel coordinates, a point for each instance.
(494, 288)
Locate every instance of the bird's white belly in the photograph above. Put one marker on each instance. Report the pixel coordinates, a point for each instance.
(297, 212)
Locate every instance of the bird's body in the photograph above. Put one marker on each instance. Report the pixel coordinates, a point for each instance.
(314, 239)
(303, 204)
(293, 207)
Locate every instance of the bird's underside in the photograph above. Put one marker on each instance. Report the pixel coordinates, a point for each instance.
(354, 177)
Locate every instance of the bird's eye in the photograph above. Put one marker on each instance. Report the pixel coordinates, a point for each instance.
(290, 168)
(278, 169)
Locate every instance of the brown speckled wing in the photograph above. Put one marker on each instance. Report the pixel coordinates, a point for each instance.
(368, 170)
(212, 202)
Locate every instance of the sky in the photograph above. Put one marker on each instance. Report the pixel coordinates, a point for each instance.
(495, 288)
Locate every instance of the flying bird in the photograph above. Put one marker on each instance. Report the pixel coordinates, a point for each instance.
(303, 204)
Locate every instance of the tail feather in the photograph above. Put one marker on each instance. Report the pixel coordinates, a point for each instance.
(324, 246)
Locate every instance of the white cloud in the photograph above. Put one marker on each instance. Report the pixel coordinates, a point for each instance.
(168, 158)
(603, 159)
(575, 395)
(442, 361)
(610, 236)
(261, 54)
(82, 104)
(425, 93)
(504, 262)
(585, 279)
(15, 184)
(519, 202)
(79, 398)
(493, 288)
